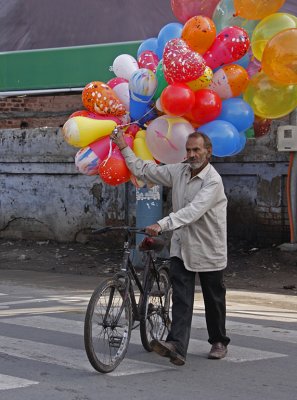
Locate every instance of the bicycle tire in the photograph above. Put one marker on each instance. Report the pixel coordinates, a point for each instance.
(155, 310)
(106, 333)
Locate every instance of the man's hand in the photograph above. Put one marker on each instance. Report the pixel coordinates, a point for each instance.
(153, 230)
(118, 138)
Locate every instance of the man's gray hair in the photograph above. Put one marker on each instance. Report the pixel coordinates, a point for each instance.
(206, 140)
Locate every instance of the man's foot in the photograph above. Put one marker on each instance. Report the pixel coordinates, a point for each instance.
(167, 349)
(218, 351)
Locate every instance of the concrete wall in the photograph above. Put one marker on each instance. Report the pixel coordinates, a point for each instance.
(44, 197)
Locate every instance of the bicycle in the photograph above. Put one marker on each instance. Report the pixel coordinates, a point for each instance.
(115, 307)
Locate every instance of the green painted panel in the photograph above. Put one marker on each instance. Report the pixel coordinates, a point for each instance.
(65, 67)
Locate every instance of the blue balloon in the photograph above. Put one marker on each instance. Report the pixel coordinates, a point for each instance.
(242, 142)
(238, 112)
(168, 32)
(149, 114)
(223, 135)
(148, 44)
(245, 60)
(138, 105)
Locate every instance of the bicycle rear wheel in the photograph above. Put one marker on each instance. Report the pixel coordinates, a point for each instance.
(108, 324)
(155, 309)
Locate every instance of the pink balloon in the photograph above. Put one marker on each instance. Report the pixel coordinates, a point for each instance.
(230, 45)
(101, 147)
(88, 159)
(253, 67)
(149, 60)
(186, 9)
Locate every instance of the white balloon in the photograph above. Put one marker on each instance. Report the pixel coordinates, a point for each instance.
(124, 65)
(159, 105)
(166, 138)
(122, 91)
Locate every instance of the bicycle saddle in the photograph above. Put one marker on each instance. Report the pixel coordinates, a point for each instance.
(151, 243)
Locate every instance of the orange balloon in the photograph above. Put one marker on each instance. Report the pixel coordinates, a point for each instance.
(100, 98)
(199, 33)
(255, 9)
(229, 81)
(279, 59)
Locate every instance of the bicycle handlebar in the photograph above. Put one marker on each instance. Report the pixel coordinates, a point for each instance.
(130, 229)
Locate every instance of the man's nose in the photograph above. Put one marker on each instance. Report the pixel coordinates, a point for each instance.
(191, 153)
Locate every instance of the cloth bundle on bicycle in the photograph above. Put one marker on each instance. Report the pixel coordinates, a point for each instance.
(151, 243)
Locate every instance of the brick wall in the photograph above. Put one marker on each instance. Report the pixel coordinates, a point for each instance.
(37, 111)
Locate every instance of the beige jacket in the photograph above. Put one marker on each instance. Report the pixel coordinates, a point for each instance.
(199, 211)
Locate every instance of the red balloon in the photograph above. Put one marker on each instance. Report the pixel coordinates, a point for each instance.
(114, 170)
(132, 129)
(180, 63)
(261, 126)
(230, 45)
(113, 82)
(149, 60)
(177, 99)
(207, 107)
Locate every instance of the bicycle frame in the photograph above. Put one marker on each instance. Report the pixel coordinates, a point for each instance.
(128, 274)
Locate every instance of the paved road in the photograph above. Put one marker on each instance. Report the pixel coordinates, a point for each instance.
(42, 353)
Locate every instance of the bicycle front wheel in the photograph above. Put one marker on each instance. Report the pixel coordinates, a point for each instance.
(108, 324)
(155, 323)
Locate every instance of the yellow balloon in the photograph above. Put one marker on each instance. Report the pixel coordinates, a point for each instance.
(268, 98)
(256, 9)
(269, 27)
(279, 59)
(140, 134)
(141, 150)
(81, 131)
(203, 81)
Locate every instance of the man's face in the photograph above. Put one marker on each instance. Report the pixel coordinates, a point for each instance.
(197, 154)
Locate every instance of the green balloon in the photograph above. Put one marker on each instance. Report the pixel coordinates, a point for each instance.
(250, 133)
(162, 83)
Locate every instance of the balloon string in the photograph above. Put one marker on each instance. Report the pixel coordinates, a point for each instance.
(109, 153)
(138, 120)
(123, 126)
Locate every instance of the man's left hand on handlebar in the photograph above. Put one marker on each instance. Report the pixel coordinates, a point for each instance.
(153, 230)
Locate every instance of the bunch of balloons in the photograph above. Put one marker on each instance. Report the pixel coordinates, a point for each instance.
(225, 67)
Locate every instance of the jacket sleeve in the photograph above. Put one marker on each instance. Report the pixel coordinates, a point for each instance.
(148, 171)
(202, 202)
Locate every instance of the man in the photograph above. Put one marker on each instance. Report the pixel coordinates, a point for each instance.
(198, 243)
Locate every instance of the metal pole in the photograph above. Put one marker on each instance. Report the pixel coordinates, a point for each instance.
(148, 211)
(293, 197)
(293, 186)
